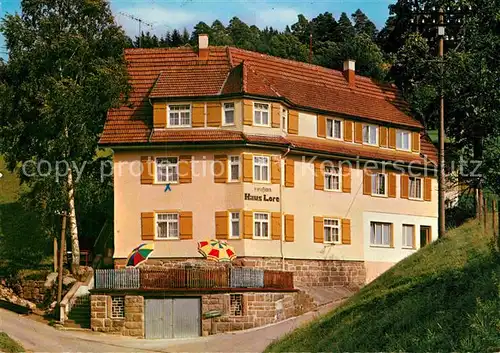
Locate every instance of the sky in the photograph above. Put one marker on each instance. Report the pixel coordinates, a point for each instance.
(166, 15)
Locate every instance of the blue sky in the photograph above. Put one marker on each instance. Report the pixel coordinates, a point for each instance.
(169, 14)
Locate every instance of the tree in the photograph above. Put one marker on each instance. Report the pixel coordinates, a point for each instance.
(65, 71)
(176, 39)
(220, 34)
(185, 37)
(302, 29)
(323, 28)
(200, 28)
(363, 25)
(344, 31)
(289, 47)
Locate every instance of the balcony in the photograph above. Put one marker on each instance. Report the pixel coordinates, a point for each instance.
(229, 279)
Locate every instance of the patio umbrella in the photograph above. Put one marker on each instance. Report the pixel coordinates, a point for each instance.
(216, 250)
(140, 254)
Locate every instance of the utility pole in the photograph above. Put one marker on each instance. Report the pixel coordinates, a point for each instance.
(140, 21)
(426, 17)
(310, 47)
(441, 174)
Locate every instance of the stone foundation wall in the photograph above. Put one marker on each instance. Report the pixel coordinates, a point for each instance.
(131, 325)
(307, 273)
(32, 290)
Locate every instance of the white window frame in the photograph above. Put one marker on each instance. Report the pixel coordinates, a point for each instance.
(169, 222)
(399, 138)
(330, 133)
(167, 166)
(261, 110)
(415, 196)
(268, 165)
(382, 226)
(375, 183)
(261, 225)
(284, 119)
(370, 126)
(224, 110)
(405, 236)
(332, 174)
(232, 221)
(332, 227)
(230, 164)
(180, 111)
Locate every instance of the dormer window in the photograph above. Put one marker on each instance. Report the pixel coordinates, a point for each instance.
(228, 113)
(370, 135)
(261, 114)
(403, 140)
(179, 115)
(334, 128)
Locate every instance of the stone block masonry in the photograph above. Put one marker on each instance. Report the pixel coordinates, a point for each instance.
(130, 324)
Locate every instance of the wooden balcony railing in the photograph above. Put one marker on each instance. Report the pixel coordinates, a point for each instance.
(193, 278)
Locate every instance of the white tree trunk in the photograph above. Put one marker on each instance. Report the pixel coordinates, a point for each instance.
(73, 228)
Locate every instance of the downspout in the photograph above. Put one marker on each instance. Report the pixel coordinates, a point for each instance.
(283, 158)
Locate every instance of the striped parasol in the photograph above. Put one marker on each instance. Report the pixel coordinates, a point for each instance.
(140, 254)
(216, 250)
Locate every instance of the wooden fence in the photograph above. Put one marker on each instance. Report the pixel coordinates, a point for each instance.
(193, 278)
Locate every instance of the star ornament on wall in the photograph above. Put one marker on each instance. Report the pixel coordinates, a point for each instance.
(168, 188)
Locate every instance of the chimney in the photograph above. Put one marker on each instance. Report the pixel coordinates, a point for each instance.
(350, 72)
(203, 46)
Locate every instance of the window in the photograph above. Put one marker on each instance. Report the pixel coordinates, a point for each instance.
(332, 177)
(261, 225)
(167, 170)
(370, 134)
(179, 115)
(235, 225)
(236, 304)
(380, 234)
(261, 114)
(167, 226)
(402, 140)
(379, 184)
(334, 128)
(117, 307)
(332, 230)
(234, 168)
(415, 188)
(228, 113)
(261, 168)
(284, 119)
(408, 236)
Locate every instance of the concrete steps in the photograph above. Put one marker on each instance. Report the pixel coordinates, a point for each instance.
(79, 316)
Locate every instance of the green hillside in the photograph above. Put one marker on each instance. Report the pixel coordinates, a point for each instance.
(446, 297)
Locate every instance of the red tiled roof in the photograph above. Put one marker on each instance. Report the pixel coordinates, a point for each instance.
(196, 135)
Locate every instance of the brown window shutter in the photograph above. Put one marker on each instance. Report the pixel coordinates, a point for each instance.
(289, 173)
(392, 235)
(186, 225)
(321, 126)
(346, 231)
(185, 172)
(358, 132)
(247, 224)
(405, 181)
(415, 145)
(214, 114)
(247, 168)
(318, 230)
(367, 182)
(220, 168)
(198, 118)
(427, 189)
(383, 136)
(147, 226)
(392, 137)
(293, 122)
(346, 178)
(348, 130)
(247, 112)
(160, 115)
(147, 172)
(275, 226)
(319, 178)
(221, 225)
(276, 115)
(391, 183)
(289, 228)
(275, 170)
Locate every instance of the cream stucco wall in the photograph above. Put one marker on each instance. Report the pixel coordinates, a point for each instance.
(204, 197)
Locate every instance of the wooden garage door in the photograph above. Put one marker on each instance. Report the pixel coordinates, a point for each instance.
(172, 318)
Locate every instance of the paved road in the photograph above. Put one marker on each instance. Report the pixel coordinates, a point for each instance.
(38, 337)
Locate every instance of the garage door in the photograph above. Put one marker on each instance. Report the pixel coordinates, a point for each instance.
(172, 318)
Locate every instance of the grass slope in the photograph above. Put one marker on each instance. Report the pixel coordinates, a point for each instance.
(8, 345)
(445, 297)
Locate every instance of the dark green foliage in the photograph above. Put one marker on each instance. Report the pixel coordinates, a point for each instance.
(426, 303)
(8, 345)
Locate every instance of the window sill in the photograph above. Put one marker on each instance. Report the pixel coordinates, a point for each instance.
(381, 246)
(333, 190)
(403, 149)
(167, 239)
(229, 125)
(371, 144)
(408, 248)
(378, 195)
(335, 138)
(179, 127)
(166, 183)
(415, 199)
(332, 243)
(254, 238)
(261, 181)
(233, 181)
(261, 125)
